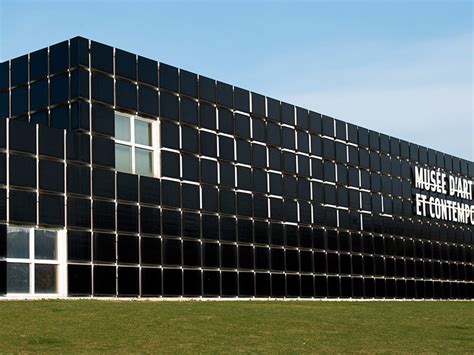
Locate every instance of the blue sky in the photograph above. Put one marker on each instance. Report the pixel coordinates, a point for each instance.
(400, 67)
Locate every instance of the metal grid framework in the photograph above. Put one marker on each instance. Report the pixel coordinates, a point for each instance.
(254, 197)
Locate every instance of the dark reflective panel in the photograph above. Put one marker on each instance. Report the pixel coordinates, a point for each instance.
(104, 247)
(150, 220)
(224, 94)
(211, 283)
(229, 284)
(127, 218)
(104, 281)
(189, 111)
(39, 95)
(127, 187)
(103, 151)
(51, 175)
(4, 75)
(103, 120)
(126, 94)
(103, 88)
(258, 104)
(102, 57)
(147, 100)
(78, 179)
(4, 104)
(79, 246)
(150, 251)
(39, 64)
(103, 214)
(128, 281)
(22, 171)
(51, 210)
(79, 280)
(125, 64)
(278, 285)
(191, 225)
(210, 253)
(59, 89)
(170, 134)
(228, 256)
(169, 106)
(148, 71)
(19, 70)
(191, 253)
(172, 282)
(79, 116)
(192, 283)
(168, 77)
(59, 117)
(58, 57)
(207, 116)
(210, 227)
(149, 190)
(171, 222)
(77, 147)
(19, 100)
(150, 282)
(188, 83)
(226, 121)
(241, 99)
(22, 136)
(78, 212)
(207, 89)
(127, 249)
(287, 114)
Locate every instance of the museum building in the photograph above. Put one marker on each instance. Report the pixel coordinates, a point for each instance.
(124, 177)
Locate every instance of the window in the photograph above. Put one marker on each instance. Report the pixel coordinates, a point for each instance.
(134, 145)
(34, 261)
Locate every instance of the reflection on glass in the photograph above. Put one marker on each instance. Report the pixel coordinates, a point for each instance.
(143, 161)
(122, 128)
(18, 243)
(18, 278)
(123, 158)
(45, 278)
(45, 245)
(142, 132)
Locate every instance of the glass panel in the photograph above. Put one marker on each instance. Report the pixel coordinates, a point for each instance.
(45, 245)
(123, 158)
(45, 278)
(142, 132)
(143, 161)
(18, 243)
(18, 278)
(122, 128)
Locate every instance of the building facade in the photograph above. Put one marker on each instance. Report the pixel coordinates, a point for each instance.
(122, 176)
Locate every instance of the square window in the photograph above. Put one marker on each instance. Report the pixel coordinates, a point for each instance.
(46, 278)
(18, 278)
(143, 162)
(142, 132)
(45, 245)
(123, 158)
(18, 243)
(122, 127)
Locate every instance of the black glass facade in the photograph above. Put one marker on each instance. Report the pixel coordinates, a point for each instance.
(249, 196)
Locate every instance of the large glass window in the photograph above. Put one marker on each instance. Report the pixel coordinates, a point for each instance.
(32, 261)
(134, 142)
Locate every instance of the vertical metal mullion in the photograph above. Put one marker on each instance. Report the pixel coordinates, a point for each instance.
(31, 261)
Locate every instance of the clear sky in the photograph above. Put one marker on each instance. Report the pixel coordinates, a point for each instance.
(400, 67)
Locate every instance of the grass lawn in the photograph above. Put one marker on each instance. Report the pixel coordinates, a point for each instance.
(128, 326)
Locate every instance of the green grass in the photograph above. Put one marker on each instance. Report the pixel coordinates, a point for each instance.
(265, 327)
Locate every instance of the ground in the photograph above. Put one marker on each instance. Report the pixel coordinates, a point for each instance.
(243, 326)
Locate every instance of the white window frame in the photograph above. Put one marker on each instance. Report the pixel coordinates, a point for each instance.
(153, 148)
(60, 262)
